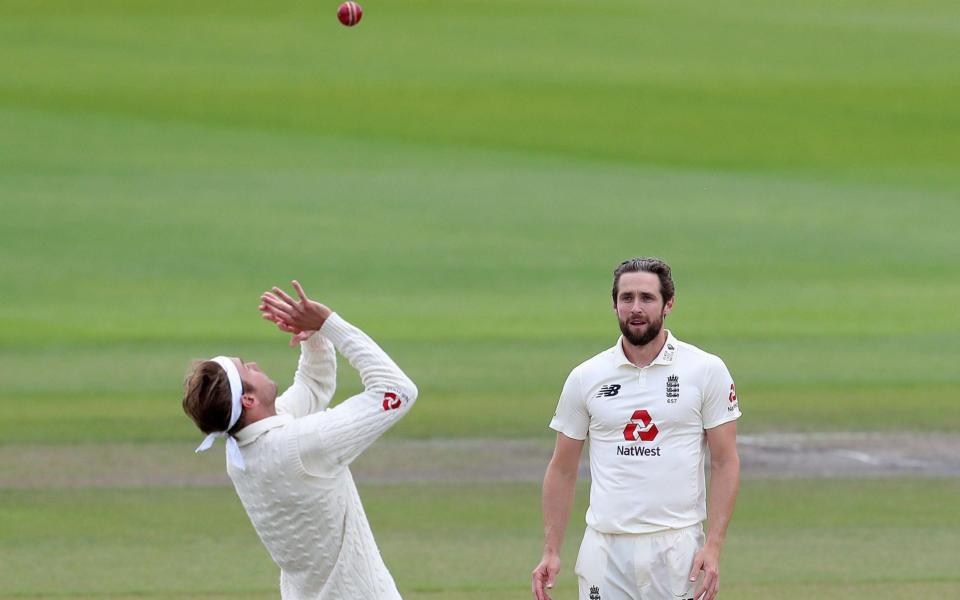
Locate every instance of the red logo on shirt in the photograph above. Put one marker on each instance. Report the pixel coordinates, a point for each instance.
(390, 401)
(640, 427)
(733, 394)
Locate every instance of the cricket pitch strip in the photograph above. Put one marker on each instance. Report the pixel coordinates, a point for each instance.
(763, 456)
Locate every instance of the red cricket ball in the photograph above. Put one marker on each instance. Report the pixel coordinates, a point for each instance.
(349, 13)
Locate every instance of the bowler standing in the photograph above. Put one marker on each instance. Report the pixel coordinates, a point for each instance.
(651, 406)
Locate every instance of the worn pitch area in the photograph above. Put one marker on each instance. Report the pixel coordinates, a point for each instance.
(763, 456)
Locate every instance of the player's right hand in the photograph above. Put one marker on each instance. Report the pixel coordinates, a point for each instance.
(293, 316)
(545, 576)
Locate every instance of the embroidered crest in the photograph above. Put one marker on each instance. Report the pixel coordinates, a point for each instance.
(673, 389)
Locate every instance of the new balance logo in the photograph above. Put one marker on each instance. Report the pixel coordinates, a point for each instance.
(608, 390)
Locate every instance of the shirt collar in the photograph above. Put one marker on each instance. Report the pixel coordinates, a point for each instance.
(254, 430)
(666, 356)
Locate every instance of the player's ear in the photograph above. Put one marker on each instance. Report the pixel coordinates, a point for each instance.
(248, 400)
(668, 306)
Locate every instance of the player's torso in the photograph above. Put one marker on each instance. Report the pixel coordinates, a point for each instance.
(647, 444)
(647, 439)
(641, 409)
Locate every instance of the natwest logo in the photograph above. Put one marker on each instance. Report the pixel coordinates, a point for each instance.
(640, 427)
(391, 401)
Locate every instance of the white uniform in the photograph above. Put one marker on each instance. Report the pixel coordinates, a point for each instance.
(647, 451)
(297, 488)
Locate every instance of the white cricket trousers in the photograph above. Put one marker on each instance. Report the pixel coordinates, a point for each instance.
(649, 566)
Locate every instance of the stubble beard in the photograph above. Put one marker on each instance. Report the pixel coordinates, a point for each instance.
(649, 334)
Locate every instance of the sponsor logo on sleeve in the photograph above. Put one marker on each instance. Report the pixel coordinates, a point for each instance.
(391, 401)
(732, 398)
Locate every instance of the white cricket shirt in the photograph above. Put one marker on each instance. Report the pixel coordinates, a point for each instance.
(297, 488)
(646, 428)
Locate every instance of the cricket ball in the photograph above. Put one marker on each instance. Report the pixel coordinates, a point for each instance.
(349, 13)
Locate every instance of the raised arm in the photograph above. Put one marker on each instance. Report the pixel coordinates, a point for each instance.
(315, 380)
(336, 437)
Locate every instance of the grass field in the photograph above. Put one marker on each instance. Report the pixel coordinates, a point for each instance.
(459, 178)
(792, 539)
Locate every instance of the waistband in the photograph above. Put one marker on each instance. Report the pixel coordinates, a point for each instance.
(695, 528)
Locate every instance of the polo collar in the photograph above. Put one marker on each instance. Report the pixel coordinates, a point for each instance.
(251, 432)
(667, 354)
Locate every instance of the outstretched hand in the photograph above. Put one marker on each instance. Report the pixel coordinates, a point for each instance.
(295, 336)
(300, 318)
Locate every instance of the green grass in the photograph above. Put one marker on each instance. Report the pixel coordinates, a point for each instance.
(834, 299)
(788, 539)
(459, 178)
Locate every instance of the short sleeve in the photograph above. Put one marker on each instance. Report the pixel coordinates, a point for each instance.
(572, 418)
(719, 403)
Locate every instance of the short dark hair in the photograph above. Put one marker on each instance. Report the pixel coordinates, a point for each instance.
(207, 399)
(646, 264)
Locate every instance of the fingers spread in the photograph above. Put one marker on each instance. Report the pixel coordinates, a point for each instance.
(273, 317)
(278, 319)
(276, 305)
(299, 289)
(283, 296)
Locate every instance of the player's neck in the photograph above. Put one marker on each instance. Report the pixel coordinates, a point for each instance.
(259, 413)
(642, 356)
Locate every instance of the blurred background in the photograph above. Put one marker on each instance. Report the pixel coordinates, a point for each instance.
(459, 178)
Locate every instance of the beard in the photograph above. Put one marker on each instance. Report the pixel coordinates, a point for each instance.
(648, 335)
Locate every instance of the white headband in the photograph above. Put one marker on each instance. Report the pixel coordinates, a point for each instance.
(236, 390)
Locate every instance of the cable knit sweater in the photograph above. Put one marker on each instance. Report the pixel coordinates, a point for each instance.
(297, 487)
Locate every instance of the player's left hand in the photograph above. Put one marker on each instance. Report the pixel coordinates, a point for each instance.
(296, 336)
(545, 576)
(707, 559)
(275, 307)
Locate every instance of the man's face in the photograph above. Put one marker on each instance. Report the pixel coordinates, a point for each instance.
(263, 387)
(640, 307)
